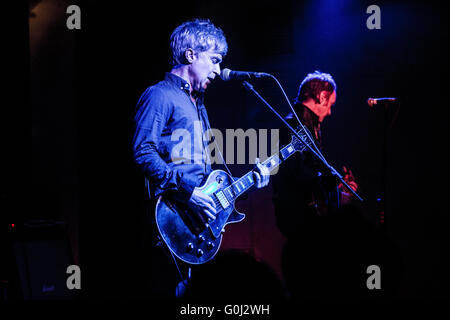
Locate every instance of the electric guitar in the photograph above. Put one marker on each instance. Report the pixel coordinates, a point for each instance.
(195, 240)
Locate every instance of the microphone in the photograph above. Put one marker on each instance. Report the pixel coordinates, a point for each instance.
(227, 75)
(373, 101)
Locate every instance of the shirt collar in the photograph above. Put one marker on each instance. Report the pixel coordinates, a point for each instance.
(177, 81)
(308, 114)
(184, 85)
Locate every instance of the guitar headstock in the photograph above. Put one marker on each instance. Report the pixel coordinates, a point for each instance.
(300, 145)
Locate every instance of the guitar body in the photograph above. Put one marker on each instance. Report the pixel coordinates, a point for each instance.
(187, 235)
(192, 238)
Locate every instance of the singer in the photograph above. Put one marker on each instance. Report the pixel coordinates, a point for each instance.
(307, 200)
(176, 102)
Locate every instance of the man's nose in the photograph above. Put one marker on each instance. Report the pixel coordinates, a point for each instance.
(217, 69)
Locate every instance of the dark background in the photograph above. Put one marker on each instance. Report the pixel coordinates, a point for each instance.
(82, 86)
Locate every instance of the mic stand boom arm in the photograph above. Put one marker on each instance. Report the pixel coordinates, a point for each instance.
(334, 172)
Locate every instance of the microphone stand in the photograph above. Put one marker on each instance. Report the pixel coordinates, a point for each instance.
(388, 123)
(333, 171)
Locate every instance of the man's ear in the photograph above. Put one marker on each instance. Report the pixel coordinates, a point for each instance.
(323, 97)
(189, 54)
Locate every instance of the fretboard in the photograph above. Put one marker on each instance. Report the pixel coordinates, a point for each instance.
(247, 181)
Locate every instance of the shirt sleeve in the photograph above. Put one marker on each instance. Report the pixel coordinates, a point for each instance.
(152, 116)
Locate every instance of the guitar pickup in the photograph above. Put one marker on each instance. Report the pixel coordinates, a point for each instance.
(222, 199)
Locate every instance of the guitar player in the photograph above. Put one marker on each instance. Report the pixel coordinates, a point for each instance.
(308, 199)
(165, 109)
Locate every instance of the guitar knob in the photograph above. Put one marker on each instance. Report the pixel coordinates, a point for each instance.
(199, 253)
(210, 245)
(201, 238)
(189, 247)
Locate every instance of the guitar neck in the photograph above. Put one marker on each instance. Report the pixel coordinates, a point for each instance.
(247, 181)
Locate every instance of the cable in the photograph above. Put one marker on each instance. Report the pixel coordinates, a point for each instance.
(176, 264)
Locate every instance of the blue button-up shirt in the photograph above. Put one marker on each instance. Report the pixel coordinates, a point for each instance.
(169, 142)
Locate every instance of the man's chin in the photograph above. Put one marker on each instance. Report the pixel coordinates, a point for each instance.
(207, 83)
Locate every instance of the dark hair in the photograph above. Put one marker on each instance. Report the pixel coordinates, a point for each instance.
(198, 34)
(313, 85)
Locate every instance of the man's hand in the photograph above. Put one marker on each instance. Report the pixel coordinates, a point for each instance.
(262, 175)
(346, 196)
(202, 204)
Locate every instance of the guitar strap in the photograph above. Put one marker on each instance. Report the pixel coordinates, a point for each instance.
(215, 143)
(183, 281)
(158, 241)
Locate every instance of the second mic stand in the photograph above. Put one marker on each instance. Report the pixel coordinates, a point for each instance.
(333, 171)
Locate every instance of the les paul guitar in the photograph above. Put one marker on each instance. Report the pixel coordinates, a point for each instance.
(193, 239)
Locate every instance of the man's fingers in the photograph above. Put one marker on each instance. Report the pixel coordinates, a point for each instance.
(212, 204)
(258, 179)
(261, 168)
(353, 185)
(265, 174)
(210, 207)
(203, 204)
(209, 214)
(207, 202)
